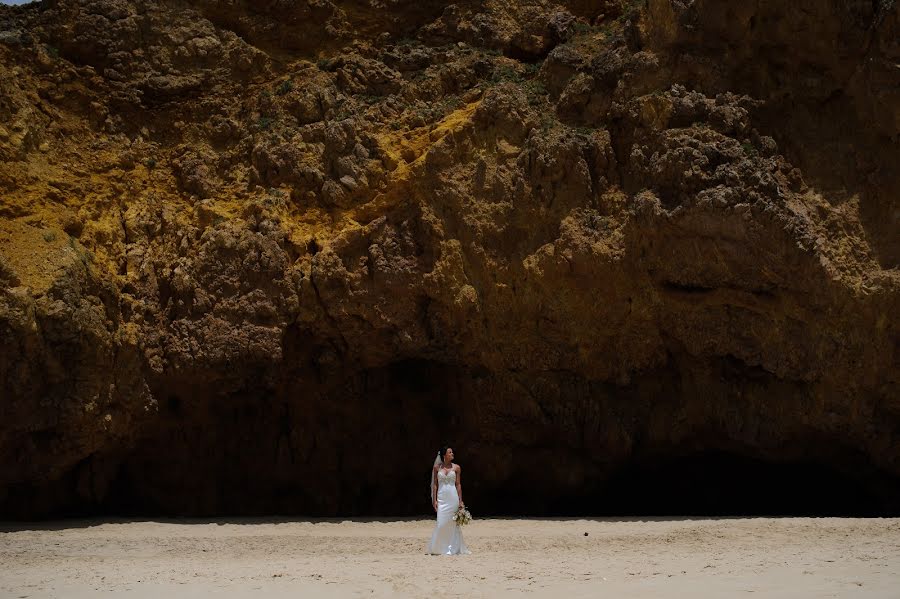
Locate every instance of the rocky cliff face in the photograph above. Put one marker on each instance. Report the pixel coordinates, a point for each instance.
(264, 257)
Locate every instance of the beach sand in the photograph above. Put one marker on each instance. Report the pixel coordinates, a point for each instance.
(728, 557)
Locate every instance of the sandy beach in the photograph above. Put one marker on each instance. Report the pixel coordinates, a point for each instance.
(771, 557)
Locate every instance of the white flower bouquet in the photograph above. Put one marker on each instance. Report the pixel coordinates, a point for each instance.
(462, 516)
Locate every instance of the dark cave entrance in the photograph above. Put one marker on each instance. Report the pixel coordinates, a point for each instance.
(363, 447)
(705, 483)
(702, 484)
(720, 483)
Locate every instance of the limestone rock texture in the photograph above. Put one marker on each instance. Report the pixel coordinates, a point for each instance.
(265, 257)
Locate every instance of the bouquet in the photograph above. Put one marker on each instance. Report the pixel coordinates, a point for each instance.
(462, 516)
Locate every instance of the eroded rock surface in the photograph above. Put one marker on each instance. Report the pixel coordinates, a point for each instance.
(262, 257)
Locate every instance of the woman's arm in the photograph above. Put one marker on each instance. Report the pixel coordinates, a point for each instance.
(434, 485)
(459, 485)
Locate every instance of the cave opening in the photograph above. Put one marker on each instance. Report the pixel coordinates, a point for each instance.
(363, 447)
(704, 484)
(722, 483)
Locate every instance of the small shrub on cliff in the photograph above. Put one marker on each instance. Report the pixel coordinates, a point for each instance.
(369, 99)
(285, 87)
(504, 74)
(630, 9)
(533, 87)
(85, 255)
(535, 91)
(548, 120)
(275, 198)
(447, 105)
(264, 122)
(582, 28)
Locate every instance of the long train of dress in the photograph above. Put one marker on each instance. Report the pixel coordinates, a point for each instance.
(447, 537)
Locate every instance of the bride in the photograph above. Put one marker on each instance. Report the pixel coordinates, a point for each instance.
(446, 497)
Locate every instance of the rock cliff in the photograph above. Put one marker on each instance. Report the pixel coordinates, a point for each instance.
(265, 257)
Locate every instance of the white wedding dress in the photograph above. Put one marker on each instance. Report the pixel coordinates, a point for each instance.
(447, 537)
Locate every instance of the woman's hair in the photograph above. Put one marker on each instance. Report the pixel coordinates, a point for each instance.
(443, 451)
